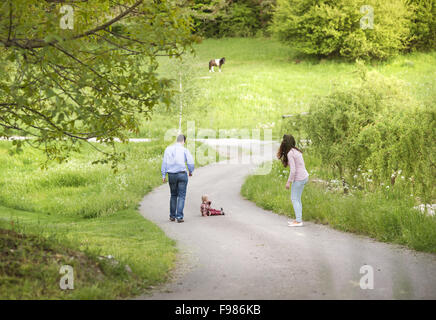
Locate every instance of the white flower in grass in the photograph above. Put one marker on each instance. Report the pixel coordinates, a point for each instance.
(402, 177)
(387, 187)
(355, 176)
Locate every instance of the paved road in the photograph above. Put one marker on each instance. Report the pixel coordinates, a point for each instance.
(251, 253)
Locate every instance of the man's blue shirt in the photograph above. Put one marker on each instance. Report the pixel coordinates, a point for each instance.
(175, 159)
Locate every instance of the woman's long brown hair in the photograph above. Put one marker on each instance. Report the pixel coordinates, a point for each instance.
(287, 144)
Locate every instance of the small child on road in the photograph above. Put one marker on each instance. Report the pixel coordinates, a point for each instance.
(206, 210)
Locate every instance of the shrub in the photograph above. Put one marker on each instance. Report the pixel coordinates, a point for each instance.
(332, 27)
(336, 120)
(423, 24)
(401, 147)
(373, 132)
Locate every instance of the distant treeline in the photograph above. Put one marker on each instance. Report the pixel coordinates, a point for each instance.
(232, 18)
(324, 27)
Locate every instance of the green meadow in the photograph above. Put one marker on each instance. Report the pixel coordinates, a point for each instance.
(87, 208)
(81, 212)
(81, 207)
(262, 80)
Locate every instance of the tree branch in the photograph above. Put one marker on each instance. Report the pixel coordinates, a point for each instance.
(39, 43)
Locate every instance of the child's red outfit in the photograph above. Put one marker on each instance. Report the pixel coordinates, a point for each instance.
(206, 210)
(214, 212)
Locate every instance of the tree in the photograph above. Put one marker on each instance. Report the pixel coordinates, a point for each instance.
(72, 70)
(423, 24)
(231, 18)
(333, 27)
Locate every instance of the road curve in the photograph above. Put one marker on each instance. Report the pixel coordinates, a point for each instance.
(251, 253)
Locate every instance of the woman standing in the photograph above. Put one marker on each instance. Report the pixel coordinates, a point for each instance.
(291, 156)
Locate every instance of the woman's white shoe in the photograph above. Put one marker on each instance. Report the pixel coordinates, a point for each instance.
(295, 224)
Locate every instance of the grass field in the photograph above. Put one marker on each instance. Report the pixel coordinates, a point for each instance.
(77, 208)
(260, 82)
(87, 207)
(80, 207)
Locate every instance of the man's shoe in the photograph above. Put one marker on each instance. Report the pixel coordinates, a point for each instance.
(172, 219)
(180, 220)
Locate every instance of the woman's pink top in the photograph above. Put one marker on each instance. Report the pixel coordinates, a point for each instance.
(298, 170)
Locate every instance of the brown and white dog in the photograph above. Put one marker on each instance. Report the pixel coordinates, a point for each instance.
(216, 63)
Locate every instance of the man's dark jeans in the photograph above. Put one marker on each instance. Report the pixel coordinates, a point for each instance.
(178, 183)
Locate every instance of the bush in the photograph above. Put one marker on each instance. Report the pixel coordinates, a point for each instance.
(373, 132)
(402, 150)
(423, 24)
(336, 120)
(332, 27)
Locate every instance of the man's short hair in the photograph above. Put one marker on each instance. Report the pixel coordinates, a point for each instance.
(181, 138)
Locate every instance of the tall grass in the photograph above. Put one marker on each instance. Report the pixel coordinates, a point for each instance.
(88, 208)
(78, 188)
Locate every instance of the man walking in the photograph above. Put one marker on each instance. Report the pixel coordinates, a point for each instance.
(174, 163)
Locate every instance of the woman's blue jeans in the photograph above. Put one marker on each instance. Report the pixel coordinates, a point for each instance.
(178, 183)
(296, 191)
